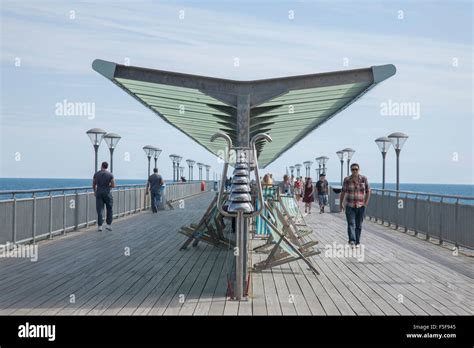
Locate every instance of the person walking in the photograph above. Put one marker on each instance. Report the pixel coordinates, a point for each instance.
(308, 196)
(298, 189)
(102, 182)
(354, 198)
(322, 190)
(154, 184)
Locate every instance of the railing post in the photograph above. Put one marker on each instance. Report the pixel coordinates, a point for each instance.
(381, 209)
(64, 212)
(129, 201)
(415, 223)
(76, 211)
(14, 220)
(427, 235)
(441, 222)
(118, 202)
(50, 215)
(405, 213)
(87, 209)
(34, 218)
(137, 190)
(456, 233)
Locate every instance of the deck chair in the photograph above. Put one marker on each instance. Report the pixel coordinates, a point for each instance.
(285, 226)
(288, 206)
(210, 229)
(285, 251)
(261, 227)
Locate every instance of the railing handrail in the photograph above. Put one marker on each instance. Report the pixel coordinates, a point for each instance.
(425, 194)
(62, 189)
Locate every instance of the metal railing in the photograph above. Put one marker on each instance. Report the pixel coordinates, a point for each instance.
(447, 218)
(49, 212)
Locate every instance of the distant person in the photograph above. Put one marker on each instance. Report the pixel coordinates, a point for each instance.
(322, 191)
(308, 197)
(267, 180)
(183, 179)
(298, 189)
(102, 183)
(285, 186)
(154, 185)
(354, 198)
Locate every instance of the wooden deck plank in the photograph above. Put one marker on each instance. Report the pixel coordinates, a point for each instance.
(92, 266)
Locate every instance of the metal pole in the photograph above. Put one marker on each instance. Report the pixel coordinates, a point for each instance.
(342, 171)
(324, 169)
(111, 160)
(96, 150)
(383, 170)
(149, 159)
(34, 218)
(397, 151)
(348, 164)
(156, 162)
(51, 215)
(14, 220)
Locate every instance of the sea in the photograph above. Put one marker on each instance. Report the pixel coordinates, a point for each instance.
(11, 184)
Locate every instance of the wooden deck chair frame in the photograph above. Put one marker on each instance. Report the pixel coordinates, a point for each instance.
(211, 222)
(278, 257)
(294, 219)
(287, 227)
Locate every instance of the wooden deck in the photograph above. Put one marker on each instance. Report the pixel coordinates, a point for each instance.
(89, 273)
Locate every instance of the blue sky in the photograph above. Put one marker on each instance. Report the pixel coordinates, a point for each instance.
(47, 48)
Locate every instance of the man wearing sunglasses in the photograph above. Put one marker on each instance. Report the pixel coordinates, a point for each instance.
(356, 192)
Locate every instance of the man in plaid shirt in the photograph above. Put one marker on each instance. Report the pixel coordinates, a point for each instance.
(356, 192)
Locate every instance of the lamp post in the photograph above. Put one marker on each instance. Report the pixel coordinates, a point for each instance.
(292, 169)
(298, 167)
(149, 151)
(156, 155)
(181, 172)
(398, 139)
(178, 159)
(307, 165)
(112, 140)
(340, 154)
(349, 153)
(190, 163)
(200, 170)
(173, 159)
(384, 144)
(96, 135)
(318, 159)
(323, 160)
(207, 171)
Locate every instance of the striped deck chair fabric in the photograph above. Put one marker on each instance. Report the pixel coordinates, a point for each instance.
(261, 228)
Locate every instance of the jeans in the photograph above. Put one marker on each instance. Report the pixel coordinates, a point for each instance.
(323, 199)
(155, 201)
(354, 217)
(102, 198)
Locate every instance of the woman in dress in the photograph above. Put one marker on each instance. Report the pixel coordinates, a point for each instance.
(308, 196)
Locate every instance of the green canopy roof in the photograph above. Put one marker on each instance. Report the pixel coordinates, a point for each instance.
(285, 108)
